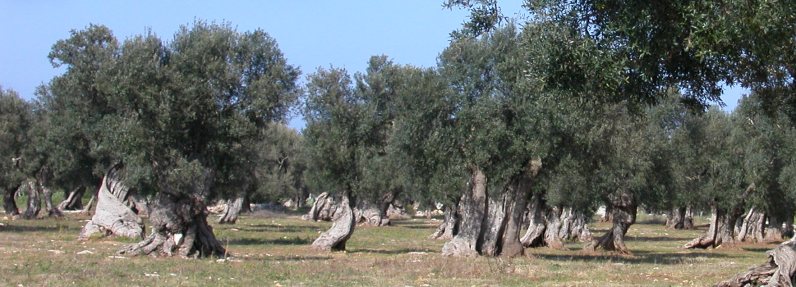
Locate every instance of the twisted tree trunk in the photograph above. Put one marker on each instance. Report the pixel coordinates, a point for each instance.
(179, 227)
(511, 245)
(9, 202)
(493, 227)
(574, 226)
(752, 227)
(34, 201)
(73, 200)
(323, 209)
(473, 210)
(778, 270)
(112, 215)
(675, 219)
(336, 237)
(722, 224)
(233, 209)
(549, 225)
(623, 215)
(534, 236)
(449, 226)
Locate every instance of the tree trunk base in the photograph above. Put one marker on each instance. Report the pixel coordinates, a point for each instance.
(778, 270)
(112, 216)
(447, 229)
(231, 212)
(336, 237)
(179, 227)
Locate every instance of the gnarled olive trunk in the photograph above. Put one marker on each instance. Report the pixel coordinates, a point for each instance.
(574, 226)
(179, 227)
(73, 200)
(9, 202)
(34, 200)
(112, 215)
(323, 209)
(384, 205)
(722, 224)
(336, 237)
(778, 270)
(752, 227)
(550, 225)
(233, 209)
(517, 199)
(534, 235)
(450, 224)
(493, 226)
(678, 218)
(623, 215)
(473, 210)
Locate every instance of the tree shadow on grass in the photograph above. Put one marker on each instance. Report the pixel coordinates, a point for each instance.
(656, 238)
(392, 251)
(27, 228)
(277, 228)
(277, 241)
(638, 257)
(298, 258)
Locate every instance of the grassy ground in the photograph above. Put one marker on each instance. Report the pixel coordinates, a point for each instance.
(273, 251)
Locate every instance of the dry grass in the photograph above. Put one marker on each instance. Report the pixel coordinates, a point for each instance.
(273, 251)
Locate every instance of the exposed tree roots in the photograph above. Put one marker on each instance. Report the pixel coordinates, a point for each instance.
(179, 227)
(778, 270)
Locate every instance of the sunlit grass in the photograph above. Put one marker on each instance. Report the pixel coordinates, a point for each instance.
(271, 251)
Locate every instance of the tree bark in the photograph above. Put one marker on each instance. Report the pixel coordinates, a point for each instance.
(34, 201)
(574, 226)
(231, 212)
(752, 227)
(534, 236)
(52, 211)
(473, 210)
(179, 227)
(336, 237)
(623, 215)
(511, 245)
(323, 209)
(112, 215)
(493, 227)
(449, 226)
(546, 227)
(675, 219)
(688, 221)
(722, 224)
(778, 270)
(73, 200)
(9, 202)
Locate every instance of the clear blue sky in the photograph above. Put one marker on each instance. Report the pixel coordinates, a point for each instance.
(310, 33)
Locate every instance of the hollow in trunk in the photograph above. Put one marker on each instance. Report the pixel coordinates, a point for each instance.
(9, 202)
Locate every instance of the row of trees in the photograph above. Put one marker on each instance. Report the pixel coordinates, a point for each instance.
(530, 127)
